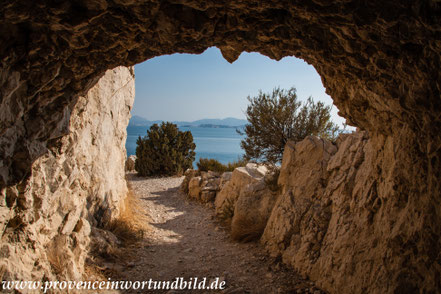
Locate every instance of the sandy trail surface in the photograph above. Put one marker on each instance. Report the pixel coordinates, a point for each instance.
(184, 240)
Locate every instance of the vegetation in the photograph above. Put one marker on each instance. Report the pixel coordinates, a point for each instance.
(130, 226)
(205, 164)
(247, 228)
(164, 151)
(277, 117)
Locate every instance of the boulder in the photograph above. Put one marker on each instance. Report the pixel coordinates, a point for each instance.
(340, 221)
(240, 178)
(189, 174)
(202, 186)
(207, 196)
(225, 178)
(103, 242)
(252, 210)
(194, 188)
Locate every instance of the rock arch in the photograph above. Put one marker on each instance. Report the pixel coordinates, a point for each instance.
(379, 61)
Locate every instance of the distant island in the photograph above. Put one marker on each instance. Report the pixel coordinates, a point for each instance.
(229, 122)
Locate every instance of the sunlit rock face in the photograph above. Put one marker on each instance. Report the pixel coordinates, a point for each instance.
(378, 60)
(46, 220)
(343, 221)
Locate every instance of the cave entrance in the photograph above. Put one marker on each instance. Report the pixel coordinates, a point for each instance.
(378, 59)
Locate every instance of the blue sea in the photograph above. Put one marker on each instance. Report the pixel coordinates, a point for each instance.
(222, 144)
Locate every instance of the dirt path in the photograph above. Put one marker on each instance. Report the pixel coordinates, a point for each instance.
(185, 241)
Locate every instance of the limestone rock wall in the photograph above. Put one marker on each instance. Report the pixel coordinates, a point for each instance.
(46, 221)
(342, 221)
(379, 60)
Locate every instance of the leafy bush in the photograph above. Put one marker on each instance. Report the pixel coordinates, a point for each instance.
(164, 151)
(277, 117)
(206, 164)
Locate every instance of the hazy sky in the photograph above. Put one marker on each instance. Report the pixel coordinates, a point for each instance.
(189, 87)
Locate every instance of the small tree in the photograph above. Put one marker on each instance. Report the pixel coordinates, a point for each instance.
(164, 151)
(277, 117)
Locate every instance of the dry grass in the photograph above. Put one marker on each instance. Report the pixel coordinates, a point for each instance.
(92, 272)
(129, 228)
(55, 260)
(246, 229)
(131, 224)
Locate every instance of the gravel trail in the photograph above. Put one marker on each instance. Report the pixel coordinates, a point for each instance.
(184, 240)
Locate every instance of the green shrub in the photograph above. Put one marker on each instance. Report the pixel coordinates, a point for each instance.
(165, 151)
(274, 118)
(206, 164)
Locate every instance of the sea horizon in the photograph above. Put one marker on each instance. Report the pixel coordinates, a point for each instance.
(222, 144)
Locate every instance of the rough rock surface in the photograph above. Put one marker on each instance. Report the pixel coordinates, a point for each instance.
(342, 222)
(202, 186)
(188, 175)
(46, 221)
(301, 215)
(251, 211)
(240, 178)
(379, 60)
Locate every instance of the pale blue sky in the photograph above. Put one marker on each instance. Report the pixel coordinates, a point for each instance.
(188, 87)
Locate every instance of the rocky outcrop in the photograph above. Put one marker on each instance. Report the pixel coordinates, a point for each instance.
(341, 221)
(47, 220)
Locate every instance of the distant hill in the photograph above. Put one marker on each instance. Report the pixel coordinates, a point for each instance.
(206, 123)
(139, 121)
